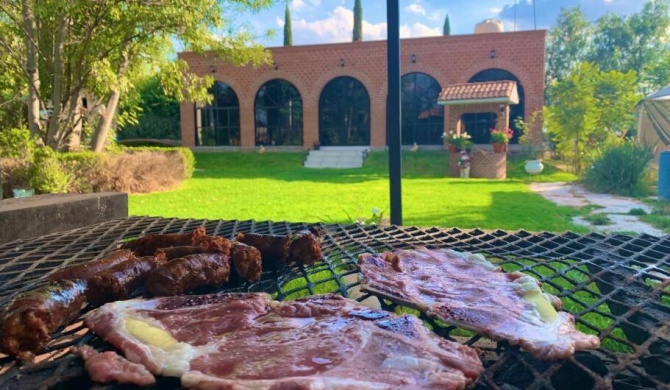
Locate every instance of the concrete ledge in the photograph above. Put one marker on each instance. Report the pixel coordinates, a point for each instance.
(25, 218)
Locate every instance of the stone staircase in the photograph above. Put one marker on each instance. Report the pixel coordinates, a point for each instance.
(337, 157)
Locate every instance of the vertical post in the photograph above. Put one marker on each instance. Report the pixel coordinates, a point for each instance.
(393, 109)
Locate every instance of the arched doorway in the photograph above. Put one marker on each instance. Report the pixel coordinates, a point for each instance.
(344, 113)
(517, 110)
(218, 123)
(278, 114)
(422, 117)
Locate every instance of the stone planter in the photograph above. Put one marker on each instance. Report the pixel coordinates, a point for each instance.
(534, 167)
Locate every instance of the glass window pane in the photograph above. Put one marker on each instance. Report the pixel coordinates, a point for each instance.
(219, 123)
(278, 114)
(344, 113)
(422, 117)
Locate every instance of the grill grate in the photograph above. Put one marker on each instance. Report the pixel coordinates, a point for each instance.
(616, 286)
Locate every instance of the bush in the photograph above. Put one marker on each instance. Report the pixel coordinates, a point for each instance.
(49, 175)
(620, 169)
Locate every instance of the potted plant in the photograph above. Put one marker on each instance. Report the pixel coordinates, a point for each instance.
(499, 139)
(317, 145)
(533, 165)
(457, 141)
(19, 175)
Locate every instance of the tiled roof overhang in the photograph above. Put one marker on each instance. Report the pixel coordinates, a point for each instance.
(502, 92)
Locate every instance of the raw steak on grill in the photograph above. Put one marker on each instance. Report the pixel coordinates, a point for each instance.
(466, 290)
(249, 341)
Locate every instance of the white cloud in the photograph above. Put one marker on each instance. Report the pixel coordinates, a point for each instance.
(415, 9)
(297, 5)
(315, 3)
(338, 27)
(280, 22)
(417, 30)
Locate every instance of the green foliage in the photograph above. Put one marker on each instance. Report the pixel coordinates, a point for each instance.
(500, 136)
(567, 43)
(589, 107)
(619, 169)
(637, 43)
(86, 170)
(189, 161)
(598, 219)
(358, 22)
(17, 143)
(49, 176)
(288, 32)
(156, 113)
(637, 211)
(446, 28)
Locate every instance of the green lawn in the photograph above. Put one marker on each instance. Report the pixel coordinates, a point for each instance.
(275, 186)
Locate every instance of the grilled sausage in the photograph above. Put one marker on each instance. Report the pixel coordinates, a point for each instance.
(90, 268)
(121, 281)
(302, 247)
(247, 261)
(188, 273)
(31, 317)
(147, 245)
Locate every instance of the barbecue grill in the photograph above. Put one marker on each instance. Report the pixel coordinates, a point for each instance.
(617, 287)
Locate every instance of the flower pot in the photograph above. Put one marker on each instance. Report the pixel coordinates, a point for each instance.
(452, 148)
(23, 192)
(499, 147)
(534, 167)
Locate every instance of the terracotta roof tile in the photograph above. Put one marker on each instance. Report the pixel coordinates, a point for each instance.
(495, 91)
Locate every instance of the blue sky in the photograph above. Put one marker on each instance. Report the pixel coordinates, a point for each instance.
(329, 21)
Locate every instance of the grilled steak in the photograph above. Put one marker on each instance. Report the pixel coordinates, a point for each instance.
(105, 367)
(225, 341)
(468, 291)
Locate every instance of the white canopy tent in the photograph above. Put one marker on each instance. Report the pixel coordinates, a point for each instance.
(653, 126)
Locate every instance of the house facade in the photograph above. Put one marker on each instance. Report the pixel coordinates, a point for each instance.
(335, 94)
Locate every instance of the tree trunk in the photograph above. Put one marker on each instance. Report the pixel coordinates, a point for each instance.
(100, 135)
(32, 70)
(53, 138)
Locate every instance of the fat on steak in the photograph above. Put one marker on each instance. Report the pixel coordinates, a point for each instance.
(249, 341)
(466, 290)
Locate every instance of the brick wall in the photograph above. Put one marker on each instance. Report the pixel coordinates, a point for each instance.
(449, 60)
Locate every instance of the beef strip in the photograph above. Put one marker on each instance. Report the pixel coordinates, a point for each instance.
(226, 341)
(188, 273)
(28, 321)
(106, 367)
(466, 290)
(121, 281)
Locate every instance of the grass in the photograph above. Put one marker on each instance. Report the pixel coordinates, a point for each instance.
(275, 186)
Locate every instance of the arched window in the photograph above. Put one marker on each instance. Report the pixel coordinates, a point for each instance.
(218, 123)
(422, 117)
(344, 113)
(278, 114)
(516, 110)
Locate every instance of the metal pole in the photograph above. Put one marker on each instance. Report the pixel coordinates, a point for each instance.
(393, 109)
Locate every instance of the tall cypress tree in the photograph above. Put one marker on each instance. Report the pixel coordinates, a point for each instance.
(288, 33)
(358, 21)
(446, 30)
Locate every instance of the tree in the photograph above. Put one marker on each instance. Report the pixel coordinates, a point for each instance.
(567, 43)
(446, 29)
(358, 21)
(94, 51)
(288, 33)
(588, 108)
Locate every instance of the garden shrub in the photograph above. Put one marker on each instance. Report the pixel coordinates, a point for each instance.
(620, 169)
(49, 175)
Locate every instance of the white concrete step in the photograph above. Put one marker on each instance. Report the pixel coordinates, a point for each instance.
(336, 157)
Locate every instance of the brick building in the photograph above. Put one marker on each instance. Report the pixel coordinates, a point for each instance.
(335, 94)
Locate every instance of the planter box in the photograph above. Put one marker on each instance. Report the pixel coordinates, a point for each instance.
(25, 218)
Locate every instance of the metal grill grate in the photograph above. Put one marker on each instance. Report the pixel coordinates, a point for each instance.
(616, 286)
